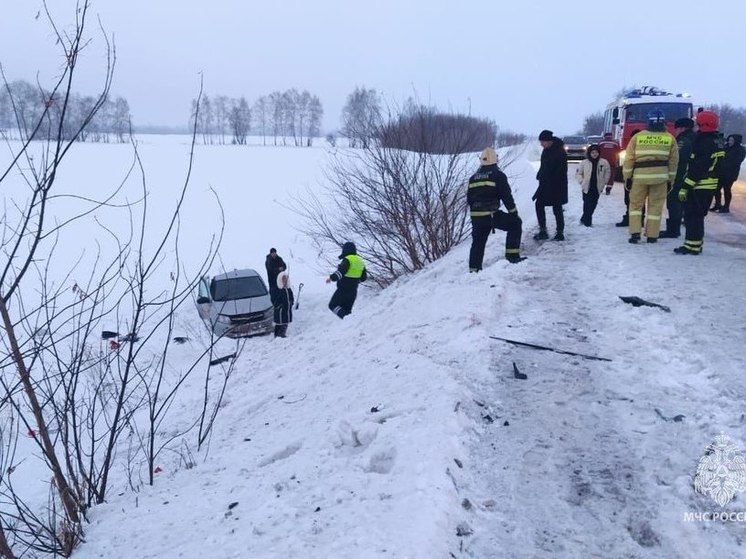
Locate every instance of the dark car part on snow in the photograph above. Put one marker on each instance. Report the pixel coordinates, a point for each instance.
(637, 302)
(517, 374)
(223, 359)
(546, 348)
(676, 418)
(297, 299)
(131, 337)
(108, 334)
(180, 339)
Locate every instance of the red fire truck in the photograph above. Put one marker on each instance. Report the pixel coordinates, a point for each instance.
(630, 112)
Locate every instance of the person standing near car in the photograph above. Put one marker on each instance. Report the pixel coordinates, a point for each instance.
(649, 171)
(552, 189)
(283, 305)
(683, 127)
(348, 275)
(609, 150)
(274, 264)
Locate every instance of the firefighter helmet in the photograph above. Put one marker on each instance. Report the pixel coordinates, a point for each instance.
(707, 121)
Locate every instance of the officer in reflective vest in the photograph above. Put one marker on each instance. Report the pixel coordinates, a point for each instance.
(701, 182)
(350, 272)
(649, 171)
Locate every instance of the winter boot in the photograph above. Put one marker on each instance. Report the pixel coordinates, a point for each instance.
(652, 240)
(724, 210)
(542, 235)
(515, 258)
(685, 250)
(634, 238)
(560, 236)
(624, 222)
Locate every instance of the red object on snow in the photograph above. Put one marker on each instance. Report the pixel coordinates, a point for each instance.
(113, 345)
(31, 433)
(157, 470)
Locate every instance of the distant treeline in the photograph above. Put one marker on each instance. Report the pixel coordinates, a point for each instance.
(23, 103)
(290, 116)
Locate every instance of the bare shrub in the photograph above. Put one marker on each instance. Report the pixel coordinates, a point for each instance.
(401, 197)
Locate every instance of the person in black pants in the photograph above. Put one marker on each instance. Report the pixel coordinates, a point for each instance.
(552, 190)
(283, 311)
(730, 167)
(684, 128)
(487, 188)
(350, 272)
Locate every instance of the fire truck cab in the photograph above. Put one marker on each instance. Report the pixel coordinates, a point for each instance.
(629, 113)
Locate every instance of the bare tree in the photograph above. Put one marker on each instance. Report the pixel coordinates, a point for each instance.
(74, 401)
(239, 119)
(277, 114)
(262, 115)
(315, 114)
(221, 116)
(25, 236)
(360, 116)
(403, 208)
(593, 124)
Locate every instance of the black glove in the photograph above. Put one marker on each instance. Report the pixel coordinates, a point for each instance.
(669, 186)
(628, 184)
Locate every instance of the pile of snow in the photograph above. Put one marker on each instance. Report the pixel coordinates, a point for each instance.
(402, 430)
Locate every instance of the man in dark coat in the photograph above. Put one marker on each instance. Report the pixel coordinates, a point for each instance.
(350, 272)
(684, 129)
(274, 264)
(730, 167)
(284, 300)
(552, 190)
(487, 188)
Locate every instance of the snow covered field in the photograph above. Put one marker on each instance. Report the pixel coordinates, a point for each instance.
(401, 431)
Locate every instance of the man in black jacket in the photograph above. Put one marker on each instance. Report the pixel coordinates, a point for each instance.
(684, 139)
(487, 188)
(730, 168)
(552, 190)
(274, 264)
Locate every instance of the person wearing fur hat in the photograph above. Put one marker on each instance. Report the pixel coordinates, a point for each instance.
(730, 167)
(348, 275)
(283, 303)
(552, 189)
(488, 187)
(592, 174)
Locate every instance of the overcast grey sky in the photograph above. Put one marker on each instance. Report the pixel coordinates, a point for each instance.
(527, 64)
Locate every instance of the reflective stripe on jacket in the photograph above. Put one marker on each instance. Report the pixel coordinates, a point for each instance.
(487, 188)
(651, 158)
(707, 154)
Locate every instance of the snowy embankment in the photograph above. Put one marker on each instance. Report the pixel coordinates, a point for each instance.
(390, 433)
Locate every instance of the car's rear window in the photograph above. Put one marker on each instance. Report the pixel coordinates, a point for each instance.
(237, 288)
(574, 139)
